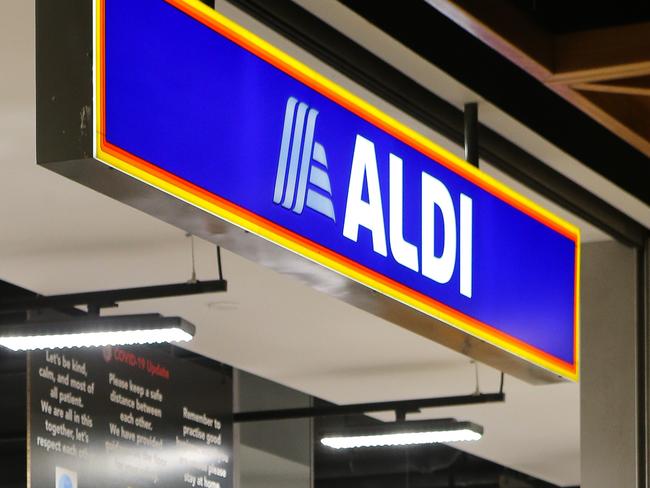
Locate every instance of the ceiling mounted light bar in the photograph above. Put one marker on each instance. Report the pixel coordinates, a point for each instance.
(94, 331)
(405, 433)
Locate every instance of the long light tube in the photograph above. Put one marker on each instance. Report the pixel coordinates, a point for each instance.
(96, 331)
(406, 433)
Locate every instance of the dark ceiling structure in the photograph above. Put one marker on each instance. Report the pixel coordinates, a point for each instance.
(596, 56)
(561, 17)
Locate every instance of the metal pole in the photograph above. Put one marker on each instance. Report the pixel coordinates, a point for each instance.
(471, 133)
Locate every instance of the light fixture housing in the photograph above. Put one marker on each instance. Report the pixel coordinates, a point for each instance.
(404, 433)
(95, 331)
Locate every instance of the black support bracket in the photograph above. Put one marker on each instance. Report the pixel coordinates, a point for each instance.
(401, 407)
(109, 298)
(470, 119)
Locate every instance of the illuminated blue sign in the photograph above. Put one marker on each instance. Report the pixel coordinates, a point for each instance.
(193, 104)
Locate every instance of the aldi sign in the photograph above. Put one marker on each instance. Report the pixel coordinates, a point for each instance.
(196, 106)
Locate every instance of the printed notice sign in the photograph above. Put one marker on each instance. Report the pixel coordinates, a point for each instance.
(127, 417)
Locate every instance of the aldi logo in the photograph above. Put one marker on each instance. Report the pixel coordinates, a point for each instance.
(302, 180)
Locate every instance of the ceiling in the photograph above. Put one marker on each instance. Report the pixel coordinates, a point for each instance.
(561, 17)
(58, 237)
(597, 57)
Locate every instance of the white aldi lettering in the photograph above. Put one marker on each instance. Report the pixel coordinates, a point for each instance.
(370, 215)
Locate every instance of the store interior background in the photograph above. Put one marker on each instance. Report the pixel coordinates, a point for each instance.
(60, 237)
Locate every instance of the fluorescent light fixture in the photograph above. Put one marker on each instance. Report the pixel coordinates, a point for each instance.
(405, 433)
(93, 331)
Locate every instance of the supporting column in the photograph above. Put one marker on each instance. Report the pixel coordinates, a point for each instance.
(643, 364)
(608, 386)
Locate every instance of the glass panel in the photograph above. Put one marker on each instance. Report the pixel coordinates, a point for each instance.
(272, 454)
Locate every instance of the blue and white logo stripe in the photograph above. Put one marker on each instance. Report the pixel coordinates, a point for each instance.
(302, 179)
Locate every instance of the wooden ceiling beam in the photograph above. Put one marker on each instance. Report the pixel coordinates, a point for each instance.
(577, 57)
(565, 62)
(601, 73)
(602, 54)
(621, 88)
(634, 110)
(505, 29)
(623, 123)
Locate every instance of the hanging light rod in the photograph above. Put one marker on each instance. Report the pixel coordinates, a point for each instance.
(95, 331)
(109, 298)
(404, 433)
(400, 407)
